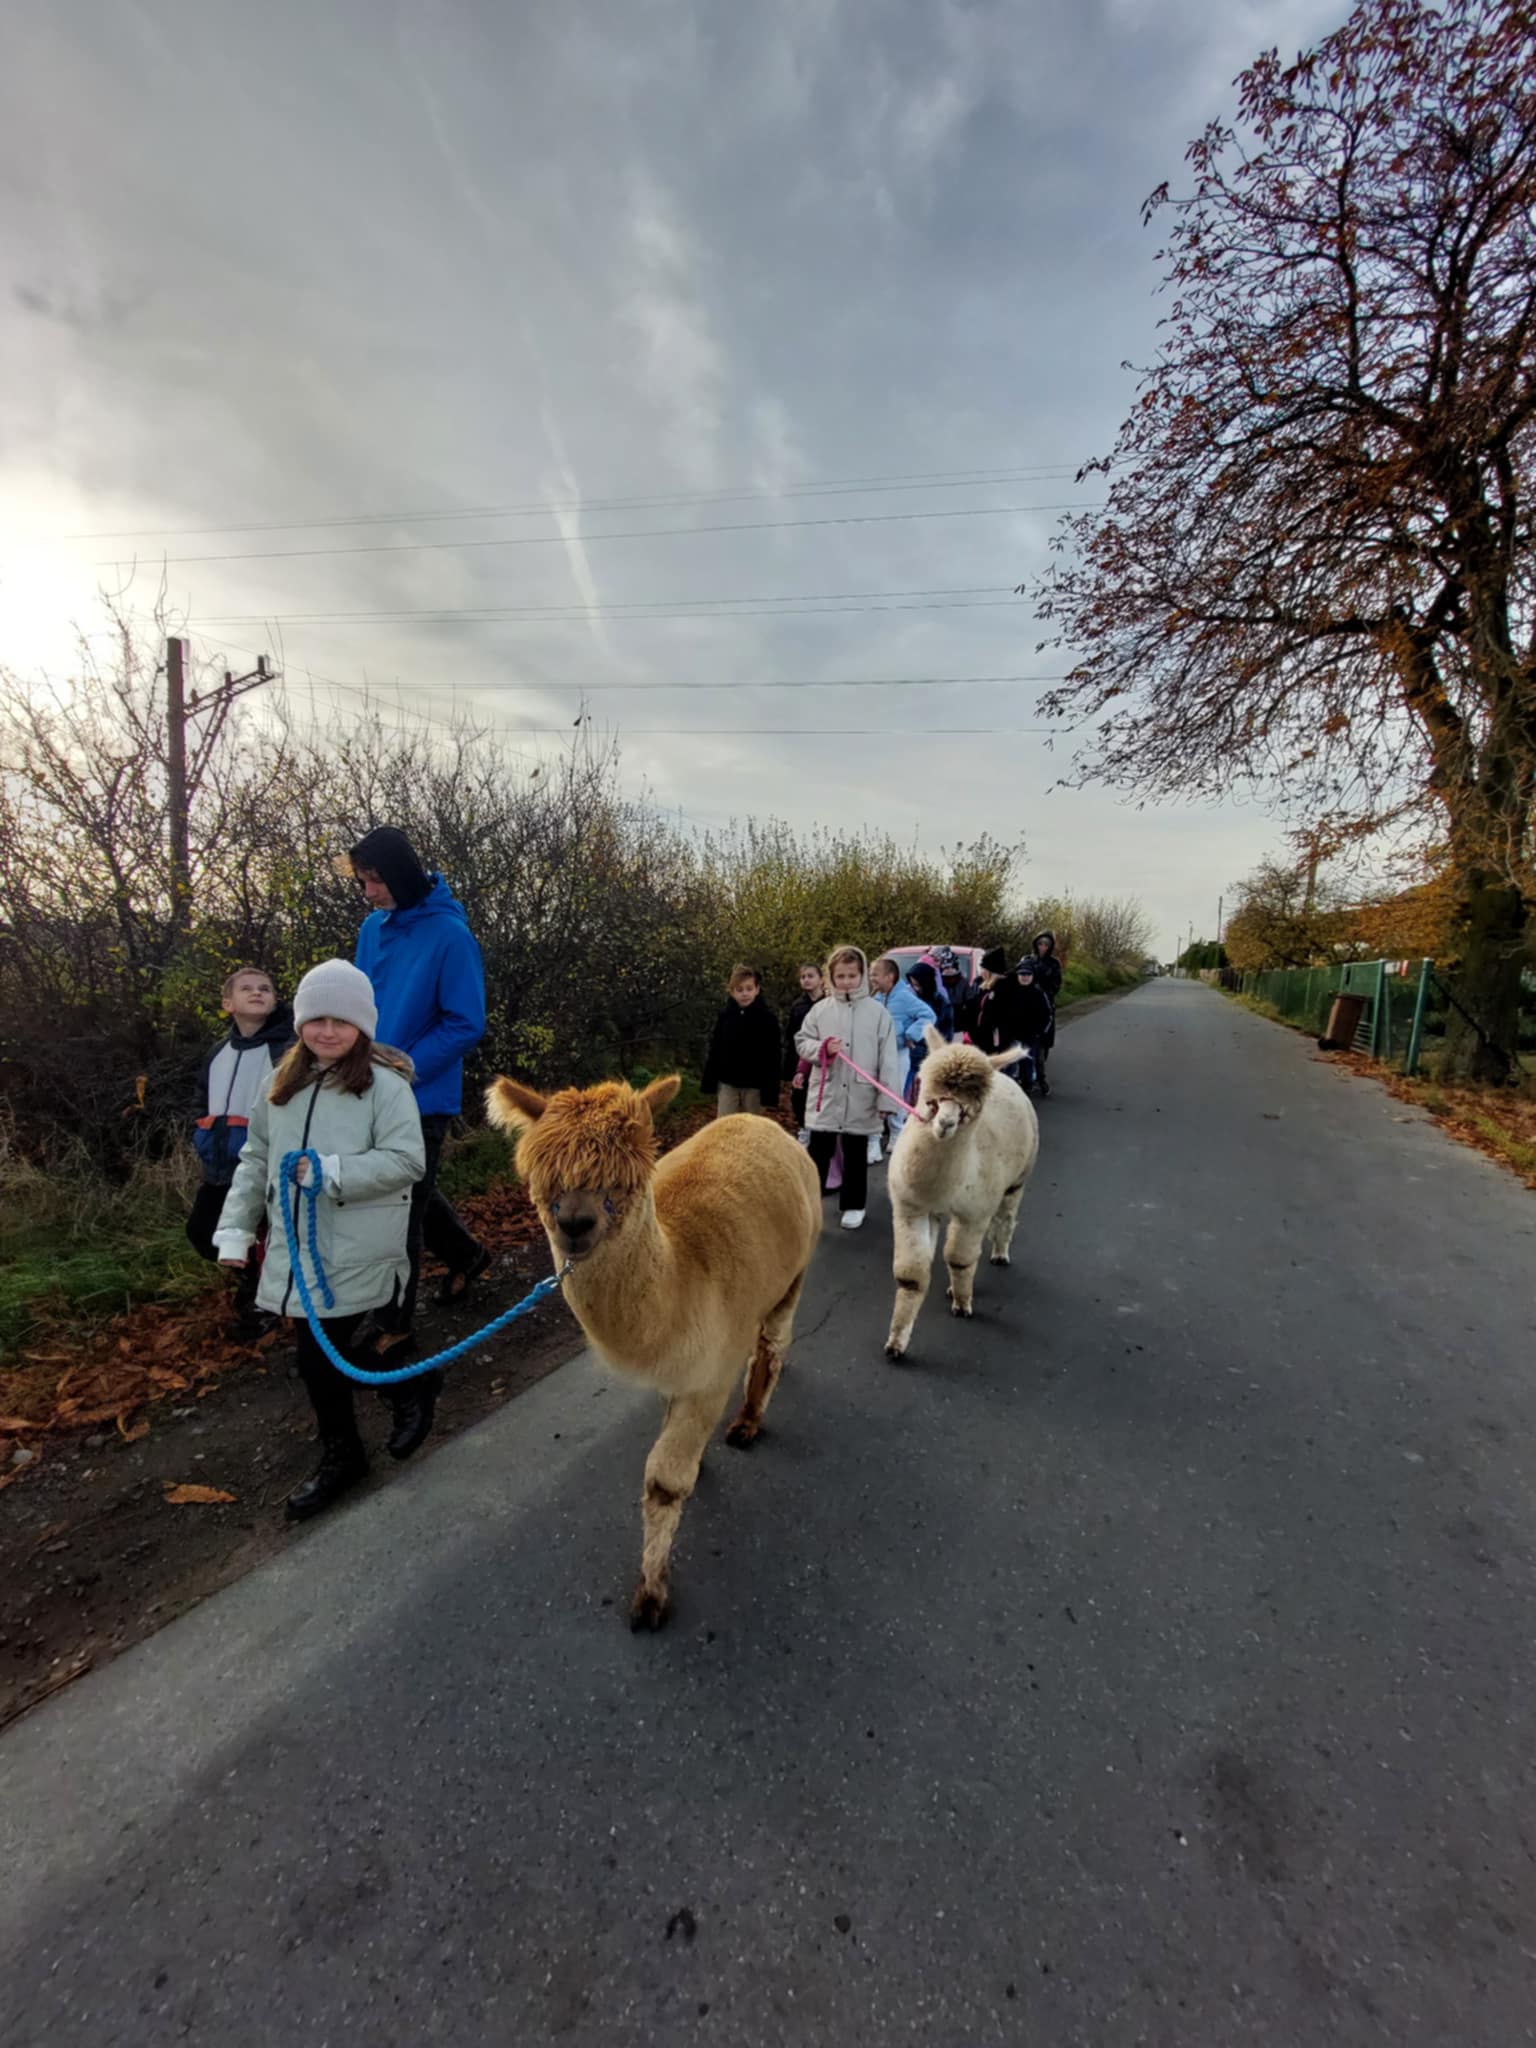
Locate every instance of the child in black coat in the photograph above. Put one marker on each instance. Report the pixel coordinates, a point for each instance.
(742, 1069)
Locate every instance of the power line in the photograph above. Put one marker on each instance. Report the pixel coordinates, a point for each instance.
(582, 615)
(772, 683)
(939, 480)
(371, 696)
(550, 540)
(587, 687)
(810, 732)
(614, 608)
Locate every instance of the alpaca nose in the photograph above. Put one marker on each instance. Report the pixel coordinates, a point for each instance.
(578, 1227)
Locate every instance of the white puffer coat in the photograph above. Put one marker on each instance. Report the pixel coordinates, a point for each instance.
(373, 1152)
(836, 1099)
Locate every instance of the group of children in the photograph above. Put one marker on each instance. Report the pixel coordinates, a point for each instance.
(879, 1021)
(313, 1078)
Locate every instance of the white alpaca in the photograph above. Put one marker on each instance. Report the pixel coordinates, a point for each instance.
(967, 1155)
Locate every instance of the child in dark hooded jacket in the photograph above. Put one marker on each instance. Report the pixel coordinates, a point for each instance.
(742, 1069)
(1036, 1017)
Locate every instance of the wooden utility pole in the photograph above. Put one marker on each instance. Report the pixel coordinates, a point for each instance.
(183, 776)
(176, 782)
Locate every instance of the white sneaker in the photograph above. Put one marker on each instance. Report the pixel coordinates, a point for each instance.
(853, 1219)
(873, 1152)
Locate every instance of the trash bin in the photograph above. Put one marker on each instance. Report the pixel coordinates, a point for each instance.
(1343, 1022)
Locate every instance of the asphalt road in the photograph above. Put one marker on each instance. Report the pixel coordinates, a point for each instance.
(1150, 1661)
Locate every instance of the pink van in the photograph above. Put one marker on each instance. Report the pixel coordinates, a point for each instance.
(907, 957)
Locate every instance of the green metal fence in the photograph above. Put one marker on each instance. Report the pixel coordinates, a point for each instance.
(1395, 995)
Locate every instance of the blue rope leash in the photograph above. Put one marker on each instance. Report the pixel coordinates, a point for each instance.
(288, 1177)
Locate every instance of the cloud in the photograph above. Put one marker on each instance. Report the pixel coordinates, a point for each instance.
(546, 257)
(681, 364)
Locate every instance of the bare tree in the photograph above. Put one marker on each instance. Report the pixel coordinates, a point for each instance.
(1315, 568)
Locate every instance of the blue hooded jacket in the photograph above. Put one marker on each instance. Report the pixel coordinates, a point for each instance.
(429, 985)
(909, 1013)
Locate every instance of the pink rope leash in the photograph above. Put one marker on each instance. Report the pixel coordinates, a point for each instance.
(824, 1060)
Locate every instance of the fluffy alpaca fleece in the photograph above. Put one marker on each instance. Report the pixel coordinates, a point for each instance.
(685, 1269)
(966, 1154)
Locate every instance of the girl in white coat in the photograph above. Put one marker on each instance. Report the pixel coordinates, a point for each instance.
(838, 1104)
(340, 1095)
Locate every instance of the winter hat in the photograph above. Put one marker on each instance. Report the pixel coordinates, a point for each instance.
(995, 962)
(337, 989)
(393, 859)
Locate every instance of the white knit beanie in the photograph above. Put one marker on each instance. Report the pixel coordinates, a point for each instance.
(337, 989)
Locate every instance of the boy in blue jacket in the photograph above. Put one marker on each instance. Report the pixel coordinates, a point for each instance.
(911, 1016)
(416, 948)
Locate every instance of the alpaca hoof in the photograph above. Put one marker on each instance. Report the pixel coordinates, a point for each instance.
(743, 1433)
(895, 1352)
(961, 1312)
(648, 1610)
(1001, 1259)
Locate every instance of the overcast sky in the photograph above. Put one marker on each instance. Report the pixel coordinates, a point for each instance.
(288, 264)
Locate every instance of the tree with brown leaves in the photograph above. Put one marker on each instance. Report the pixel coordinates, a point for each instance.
(1314, 570)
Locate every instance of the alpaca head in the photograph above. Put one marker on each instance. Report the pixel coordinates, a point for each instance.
(955, 1083)
(586, 1153)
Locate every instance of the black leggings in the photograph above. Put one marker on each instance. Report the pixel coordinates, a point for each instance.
(330, 1392)
(854, 1192)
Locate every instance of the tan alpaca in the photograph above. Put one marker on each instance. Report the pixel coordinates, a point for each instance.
(684, 1270)
(966, 1154)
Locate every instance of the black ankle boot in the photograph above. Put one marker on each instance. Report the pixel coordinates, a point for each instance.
(343, 1462)
(415, 1404)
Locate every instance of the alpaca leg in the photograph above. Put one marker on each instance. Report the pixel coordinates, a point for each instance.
(916, 1236)
(671, 1472)
(1000, 1231)
(763, 1372)
(962, 1248)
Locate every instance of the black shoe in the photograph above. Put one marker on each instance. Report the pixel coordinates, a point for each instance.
(415, 1404)
(1045, 1086)
(343, 1462)
(454, 1286)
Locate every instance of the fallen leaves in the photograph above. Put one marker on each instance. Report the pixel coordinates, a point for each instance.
(115, 1374)
(196, 1496)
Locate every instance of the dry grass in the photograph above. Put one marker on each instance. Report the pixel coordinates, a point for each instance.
(77, 1249)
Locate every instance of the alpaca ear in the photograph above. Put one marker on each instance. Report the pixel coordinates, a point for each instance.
(934, 1038)
(512, 1107)
(660, 1093)
(999, 1060)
